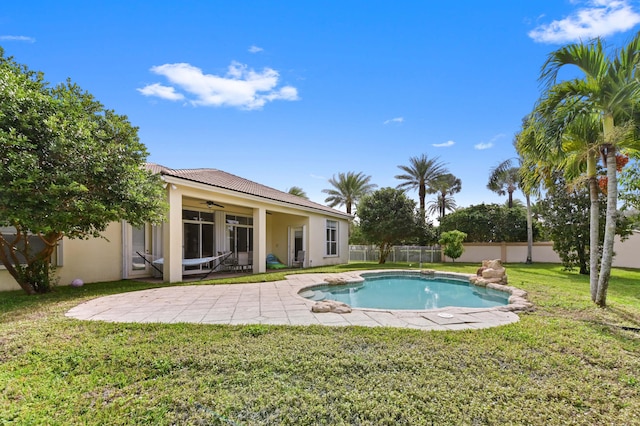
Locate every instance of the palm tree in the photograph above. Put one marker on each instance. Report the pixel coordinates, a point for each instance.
(297, 191)
(611, 90)
(348, 189)
(504, 179)
(445, 186)
(565, 141)
(440, 205)
(419, 174)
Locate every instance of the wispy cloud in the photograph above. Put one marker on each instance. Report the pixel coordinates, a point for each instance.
(596, 18)
(483, 145)
(17, 38)
(255, 49)
(444, 144)
(241, 87)
(398, 120)
(317, 177)
(486, 145)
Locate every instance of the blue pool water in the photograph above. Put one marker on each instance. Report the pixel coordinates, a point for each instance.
(409, 292)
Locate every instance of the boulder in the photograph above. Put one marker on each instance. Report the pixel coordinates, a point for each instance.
(493, 271)
(335, 281)
(333, 306)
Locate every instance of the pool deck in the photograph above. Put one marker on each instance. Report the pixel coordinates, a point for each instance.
(275, 303)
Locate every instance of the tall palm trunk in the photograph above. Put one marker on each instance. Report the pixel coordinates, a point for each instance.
(610, 221)
(609, 228)
(594, 226)
(422, 194)
(529, 230)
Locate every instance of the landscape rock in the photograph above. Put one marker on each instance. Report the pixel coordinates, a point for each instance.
(333, 306)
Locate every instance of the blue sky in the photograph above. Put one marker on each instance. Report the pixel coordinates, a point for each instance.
(290, 93)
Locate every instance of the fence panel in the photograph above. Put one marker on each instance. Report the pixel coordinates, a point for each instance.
(405, 254)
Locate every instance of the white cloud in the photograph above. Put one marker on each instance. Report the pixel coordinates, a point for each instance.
(398, 120)
(483, 145)
(164, 92)
(444, 144)
(486, 145)
(255, 49)
(598, 18)
(240, 87)
(17, 38)
(317, 177)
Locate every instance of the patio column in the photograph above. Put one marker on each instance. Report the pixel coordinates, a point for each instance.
(172, 237)
(259, 240)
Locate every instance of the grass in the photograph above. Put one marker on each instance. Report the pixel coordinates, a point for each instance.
(568, 362)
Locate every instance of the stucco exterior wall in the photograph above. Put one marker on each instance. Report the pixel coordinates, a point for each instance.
(507, 252)
(317, 250)
(92, 260)
(627, 253)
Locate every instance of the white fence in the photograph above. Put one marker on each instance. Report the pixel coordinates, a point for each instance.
(409, 254)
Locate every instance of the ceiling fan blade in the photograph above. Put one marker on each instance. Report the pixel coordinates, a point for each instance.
(213, 203)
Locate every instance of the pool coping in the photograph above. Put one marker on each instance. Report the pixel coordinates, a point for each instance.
(276, 303)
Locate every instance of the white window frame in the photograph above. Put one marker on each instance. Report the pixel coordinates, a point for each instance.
(332, 228)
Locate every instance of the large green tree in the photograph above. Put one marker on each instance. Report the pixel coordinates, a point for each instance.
(387, 217)
(488, 223)
(609, 87)
(630, 184)
(68, 168)
(419, 175)
(348, 189)
(564, 211)
(566, 141)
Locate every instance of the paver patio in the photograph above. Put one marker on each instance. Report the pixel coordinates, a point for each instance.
(276, 303)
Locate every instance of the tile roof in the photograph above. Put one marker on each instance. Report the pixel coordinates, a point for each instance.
(220, 179)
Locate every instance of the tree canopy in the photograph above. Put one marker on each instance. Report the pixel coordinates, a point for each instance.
(489, 223)
(451, 241)
(609, 90)
(419, 175)
(565, 215)
(348, 189)
(69, 167)
(444, 187)
(297, 191)
(387, 217)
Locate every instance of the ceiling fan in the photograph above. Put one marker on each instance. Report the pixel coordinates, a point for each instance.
(212, 204)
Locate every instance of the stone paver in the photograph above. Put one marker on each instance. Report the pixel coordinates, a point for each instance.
(276, 303)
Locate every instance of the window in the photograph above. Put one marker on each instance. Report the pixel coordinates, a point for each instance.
(9, 235)
(332, 238)
(198, 237)
(239, 234)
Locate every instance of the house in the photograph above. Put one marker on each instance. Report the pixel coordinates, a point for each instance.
(210, 212)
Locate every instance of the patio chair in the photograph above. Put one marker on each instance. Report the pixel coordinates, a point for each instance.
(228, 263)
(299, 260)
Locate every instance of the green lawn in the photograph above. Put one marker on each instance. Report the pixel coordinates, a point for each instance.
(568, 362)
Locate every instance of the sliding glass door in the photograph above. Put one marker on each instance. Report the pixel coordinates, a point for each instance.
(240, 239)
(198, 238)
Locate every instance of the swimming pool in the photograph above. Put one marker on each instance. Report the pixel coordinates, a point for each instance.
(411, 291)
